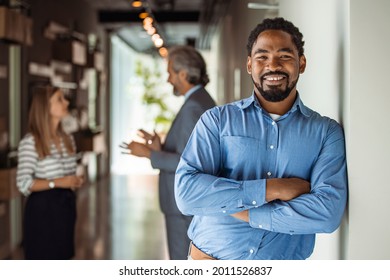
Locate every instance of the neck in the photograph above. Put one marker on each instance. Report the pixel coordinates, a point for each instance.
(279, 108)
(187, 88)
(54, 127)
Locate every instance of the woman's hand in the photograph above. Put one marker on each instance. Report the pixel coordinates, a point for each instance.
(71, 181)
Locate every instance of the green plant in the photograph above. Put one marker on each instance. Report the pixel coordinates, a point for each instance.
(153, 97)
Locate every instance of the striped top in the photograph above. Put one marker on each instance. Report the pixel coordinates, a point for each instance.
(31, 167)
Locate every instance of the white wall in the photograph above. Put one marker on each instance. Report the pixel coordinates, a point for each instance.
(369, 145)
(323, 86)
(229, 47)
(347, 78)
(324, 25)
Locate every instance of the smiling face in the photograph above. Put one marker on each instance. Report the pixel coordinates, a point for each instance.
(274, 66)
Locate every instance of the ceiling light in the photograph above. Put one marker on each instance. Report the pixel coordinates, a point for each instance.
(156, 37)
(148, 21)
(143, 15)
(136, 4)
(158, 43)
(163, 51)
(258, 6)
(151, 30)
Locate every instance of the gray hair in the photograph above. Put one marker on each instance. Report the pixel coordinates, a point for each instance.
(190, 60)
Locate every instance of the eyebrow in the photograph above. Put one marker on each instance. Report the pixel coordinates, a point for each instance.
(289, 50)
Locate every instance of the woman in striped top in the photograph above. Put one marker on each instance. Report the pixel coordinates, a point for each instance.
(46, 174)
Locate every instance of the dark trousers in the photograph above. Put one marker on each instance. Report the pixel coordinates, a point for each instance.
(49, 223)
(178, 241)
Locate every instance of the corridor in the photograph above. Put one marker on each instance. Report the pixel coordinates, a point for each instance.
(119, 219)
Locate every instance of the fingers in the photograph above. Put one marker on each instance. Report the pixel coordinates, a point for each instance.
(149, 138)
(77, 182)
(124, 145)
(80, 181)
(144, 134)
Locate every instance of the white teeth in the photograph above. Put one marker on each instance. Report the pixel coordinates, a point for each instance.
(273, 78)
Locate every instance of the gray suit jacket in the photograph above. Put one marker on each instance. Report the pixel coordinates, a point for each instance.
(168, 158)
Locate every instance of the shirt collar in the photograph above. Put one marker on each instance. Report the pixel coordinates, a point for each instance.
(191, 91)
(298, 104)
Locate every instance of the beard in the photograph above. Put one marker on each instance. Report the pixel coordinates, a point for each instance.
(176, 92)
(275, 93)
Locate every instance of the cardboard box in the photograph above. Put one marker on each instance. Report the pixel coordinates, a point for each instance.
(95, 60)
(5, 230)
(69, 50)
(87, 141)
(15, 26)
(28, 31)
(8, 188)
(4, 22)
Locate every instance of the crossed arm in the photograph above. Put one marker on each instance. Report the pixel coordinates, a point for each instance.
(279, 188)
(285, 205)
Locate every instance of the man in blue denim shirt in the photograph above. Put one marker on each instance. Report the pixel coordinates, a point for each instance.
(264, 174)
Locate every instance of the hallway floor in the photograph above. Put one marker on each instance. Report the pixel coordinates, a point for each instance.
(119, 218)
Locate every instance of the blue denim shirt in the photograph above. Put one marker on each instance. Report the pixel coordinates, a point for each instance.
(231, 153)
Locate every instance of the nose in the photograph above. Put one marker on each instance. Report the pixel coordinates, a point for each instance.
(274, 64)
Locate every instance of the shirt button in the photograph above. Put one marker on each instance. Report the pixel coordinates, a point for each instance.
(254, 202)
(271, 147)
(224, 211)
(251, 251)
(273, 123)
(269, 173)
(260, 226)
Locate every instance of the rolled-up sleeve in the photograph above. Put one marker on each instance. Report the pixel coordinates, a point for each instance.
(27, 163)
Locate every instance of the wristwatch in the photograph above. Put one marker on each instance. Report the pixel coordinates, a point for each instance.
(51, 184)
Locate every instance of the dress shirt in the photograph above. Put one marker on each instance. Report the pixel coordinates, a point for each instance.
(231, 153)
(191, 91)
(31, 167)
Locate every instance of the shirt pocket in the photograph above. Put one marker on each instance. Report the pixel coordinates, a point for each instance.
(240, 156)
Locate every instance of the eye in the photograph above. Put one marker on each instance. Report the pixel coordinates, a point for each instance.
(285, 57)
(261, 57)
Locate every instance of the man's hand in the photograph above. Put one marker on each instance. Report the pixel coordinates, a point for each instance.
(280, 188)
(243, 215)
(137, 149)
(153, 141)
(286, 188)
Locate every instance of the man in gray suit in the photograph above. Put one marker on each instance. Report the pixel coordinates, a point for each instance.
(188, 76)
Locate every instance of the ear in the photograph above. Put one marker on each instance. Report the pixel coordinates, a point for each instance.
(183, 75)
(249, 65)
(302, 64)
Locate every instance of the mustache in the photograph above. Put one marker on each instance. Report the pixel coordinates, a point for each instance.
(274, 73)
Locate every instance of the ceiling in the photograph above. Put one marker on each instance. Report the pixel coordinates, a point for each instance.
(177, 21)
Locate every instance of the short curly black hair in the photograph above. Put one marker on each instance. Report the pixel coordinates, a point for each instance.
(277, 23)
